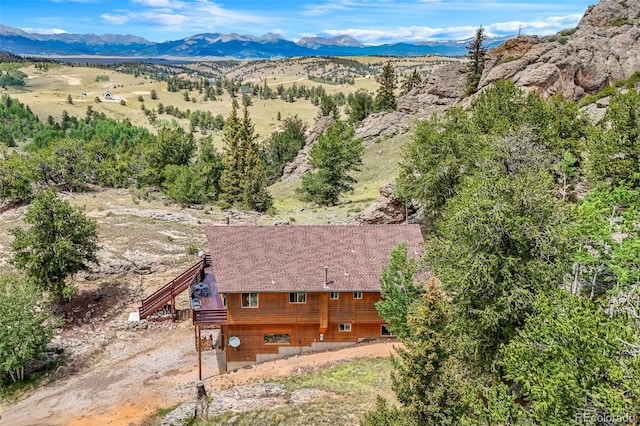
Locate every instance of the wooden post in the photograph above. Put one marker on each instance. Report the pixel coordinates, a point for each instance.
(195, 335)
(203, 402)
(199, 354)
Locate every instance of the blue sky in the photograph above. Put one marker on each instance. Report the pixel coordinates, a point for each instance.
(371, 22)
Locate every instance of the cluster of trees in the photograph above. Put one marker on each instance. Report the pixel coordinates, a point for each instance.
(529, 314)
(17, 122)
(74, 153)
(12, 78)
(203, 120)
(58, 242)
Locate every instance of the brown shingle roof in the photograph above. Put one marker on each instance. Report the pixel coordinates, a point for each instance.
(292, 258)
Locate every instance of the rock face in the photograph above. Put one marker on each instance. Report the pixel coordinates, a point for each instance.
(444, 87)
(382, 124)
(387, 210)
(300, 165)
(605, 47)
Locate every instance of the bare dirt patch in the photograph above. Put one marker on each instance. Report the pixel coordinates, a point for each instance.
(71, 80)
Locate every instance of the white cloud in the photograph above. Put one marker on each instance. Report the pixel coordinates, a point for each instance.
(545, 26)
(177, 15)
(322, 9)
(165, 19)
(165, 4)
(48, 31)
(114, 19)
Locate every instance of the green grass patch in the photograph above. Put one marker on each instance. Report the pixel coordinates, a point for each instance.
(156, 418)
(589, 99)
(352, 388)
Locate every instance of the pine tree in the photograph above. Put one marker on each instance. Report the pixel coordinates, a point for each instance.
(413, 80)
(385, 98)
(232, 160)
(244, 178)
(333, 157)
(254, 172)
(477, 53)
(60, 242)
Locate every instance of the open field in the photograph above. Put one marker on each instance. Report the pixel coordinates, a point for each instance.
(47, 91)
(47, 94)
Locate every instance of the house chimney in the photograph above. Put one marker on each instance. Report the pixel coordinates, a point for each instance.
(227, 219)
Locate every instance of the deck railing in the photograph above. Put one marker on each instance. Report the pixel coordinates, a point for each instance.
(173, 288)
(210, 316)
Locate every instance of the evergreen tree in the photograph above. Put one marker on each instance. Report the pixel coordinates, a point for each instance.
(328, 107)
(333, 157)
(410, 82)
(614, 146)
(476, 54)
(243, 180)
(443, 151)
(232, 160)
(359, 105)
(60, 242)
(16, 175)
(172, 146)
(254, 174)
(385, 97)
(283, 146)
(184, 184)
(504, 241)
(209, 165)
(572, 361)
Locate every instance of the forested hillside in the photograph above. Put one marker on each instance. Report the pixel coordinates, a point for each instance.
(529, 314)
(523, 307)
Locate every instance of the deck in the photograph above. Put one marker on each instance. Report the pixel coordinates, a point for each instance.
(206, 302)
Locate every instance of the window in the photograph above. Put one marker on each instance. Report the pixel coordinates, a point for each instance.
(357, 295)
(334, 295)
(249, 300)
(277, 339)
(297, 297)
(344, 327)
(224, 300)
(384, 331)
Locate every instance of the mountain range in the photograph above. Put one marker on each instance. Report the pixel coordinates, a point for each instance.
(227, 46)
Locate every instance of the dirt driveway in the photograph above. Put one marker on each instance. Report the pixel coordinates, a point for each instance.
(142, 371)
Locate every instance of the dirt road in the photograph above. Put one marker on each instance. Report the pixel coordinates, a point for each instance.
(142, 371)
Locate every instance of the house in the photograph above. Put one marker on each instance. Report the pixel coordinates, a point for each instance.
(244, 90)
(292, 289)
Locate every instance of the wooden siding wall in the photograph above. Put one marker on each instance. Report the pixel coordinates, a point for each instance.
(274, 308)
(302, 321)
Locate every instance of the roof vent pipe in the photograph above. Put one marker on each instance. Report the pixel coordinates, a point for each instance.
(326, 276)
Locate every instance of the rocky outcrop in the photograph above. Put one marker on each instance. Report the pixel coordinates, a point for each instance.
(300, 165)
(383, 124)
(444, 87)
(605, 47)
(246, 398)
(389, 209)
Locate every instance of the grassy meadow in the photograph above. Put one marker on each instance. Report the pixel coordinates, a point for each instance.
(47, 93)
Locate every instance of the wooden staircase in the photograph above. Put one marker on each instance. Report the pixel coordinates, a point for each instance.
(173, 288)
